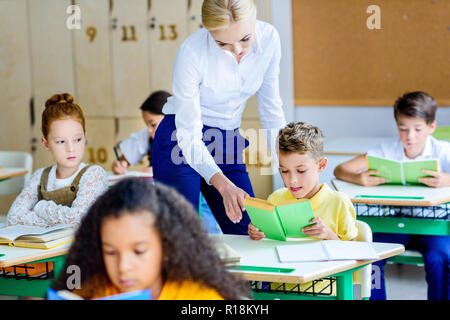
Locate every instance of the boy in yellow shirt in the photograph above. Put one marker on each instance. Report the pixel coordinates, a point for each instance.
(301, 159)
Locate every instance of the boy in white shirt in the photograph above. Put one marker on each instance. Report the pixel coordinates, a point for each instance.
(415, 116)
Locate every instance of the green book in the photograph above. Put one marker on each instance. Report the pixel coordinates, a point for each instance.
(401, 172)
(279, 221)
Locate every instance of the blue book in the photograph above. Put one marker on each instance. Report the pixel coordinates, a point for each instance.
(67, 295)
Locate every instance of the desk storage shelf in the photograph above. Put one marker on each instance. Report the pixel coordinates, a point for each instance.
(271, 290)
(406, 219)
(27, 272)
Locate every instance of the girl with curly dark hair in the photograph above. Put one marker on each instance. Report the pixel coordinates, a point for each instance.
(140, 235)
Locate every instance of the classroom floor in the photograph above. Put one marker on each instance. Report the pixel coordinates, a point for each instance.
(405, 282)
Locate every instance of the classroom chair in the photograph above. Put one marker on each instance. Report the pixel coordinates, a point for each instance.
(363, 276)
(15, 159)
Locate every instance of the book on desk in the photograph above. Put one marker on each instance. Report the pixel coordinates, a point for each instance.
(114, 178)
(279, 221)
(36, 237)
(67, 295)
(401, 172)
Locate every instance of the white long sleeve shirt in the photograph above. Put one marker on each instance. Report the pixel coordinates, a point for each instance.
(27, 210)
(136, 146)
(211, 88)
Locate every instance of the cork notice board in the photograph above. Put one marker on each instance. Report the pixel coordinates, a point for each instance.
(338, 60)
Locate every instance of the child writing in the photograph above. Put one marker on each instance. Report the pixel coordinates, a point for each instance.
(135, 148)
(139, 144)
(301, 160)
(414, 114)
(140, 235)
(62, 193)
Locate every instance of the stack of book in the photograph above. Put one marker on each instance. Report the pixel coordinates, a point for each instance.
(36, 237)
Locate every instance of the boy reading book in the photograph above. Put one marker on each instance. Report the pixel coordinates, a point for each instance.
(301, 160)
(414, 113)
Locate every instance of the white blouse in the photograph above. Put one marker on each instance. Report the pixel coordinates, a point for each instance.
(136, 146)
(211, 88)
(27, 210)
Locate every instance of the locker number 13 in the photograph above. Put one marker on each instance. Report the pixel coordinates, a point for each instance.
(170, 34)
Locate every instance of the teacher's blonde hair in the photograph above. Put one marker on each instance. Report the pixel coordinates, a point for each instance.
(218, 14)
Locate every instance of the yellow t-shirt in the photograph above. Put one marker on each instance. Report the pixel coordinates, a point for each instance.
(333, 207)
(336, 211)
(172, 290)
(188, 290)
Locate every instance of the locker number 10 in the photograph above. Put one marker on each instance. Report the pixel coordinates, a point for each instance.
(97, 156)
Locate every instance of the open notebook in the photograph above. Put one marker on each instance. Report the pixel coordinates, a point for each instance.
(36, 237)
(326, 250)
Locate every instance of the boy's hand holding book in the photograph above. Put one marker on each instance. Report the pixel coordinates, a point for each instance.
(254, 232)
(437, 179)
(366, 178)
(318, 229)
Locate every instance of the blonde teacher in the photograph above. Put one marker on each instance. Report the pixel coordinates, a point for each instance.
(197, 146)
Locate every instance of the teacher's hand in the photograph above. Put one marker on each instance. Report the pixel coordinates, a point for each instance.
(233, 197)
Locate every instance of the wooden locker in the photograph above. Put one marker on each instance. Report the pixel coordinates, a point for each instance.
(15, 77)
(125, 128)
(194, 19)
(52, 62)
(168, 29)
(100, 142)
(130, 56)
(15, 83)
(92, 59)
(257, 159)
(264, 10)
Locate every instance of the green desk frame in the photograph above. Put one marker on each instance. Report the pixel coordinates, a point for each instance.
(344, 288)
(31, 288)
(407, 226)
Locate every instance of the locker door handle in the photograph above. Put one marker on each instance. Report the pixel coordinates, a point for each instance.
(32, 118)
(114, 23)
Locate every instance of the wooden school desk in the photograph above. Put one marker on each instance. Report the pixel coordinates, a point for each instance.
(381, 201)
(259, 262)
(21, 285)
(8, 173)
